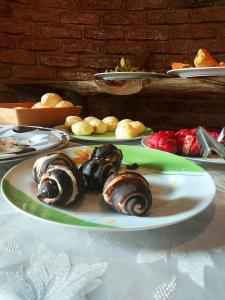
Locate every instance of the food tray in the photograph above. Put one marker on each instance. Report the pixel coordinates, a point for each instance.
(11, 114)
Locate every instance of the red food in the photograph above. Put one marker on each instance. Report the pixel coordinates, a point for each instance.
(163, 140)
(187, 143)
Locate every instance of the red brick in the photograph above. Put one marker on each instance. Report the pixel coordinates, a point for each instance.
(168, 47)
(59, 60)
(136, 5)
(36, 43)
(98, 62)
(124, 18)
(17, 56)
(208, 14)
(145, 4)
(6, 41)
(148, 34)
(15, 27)
(81, 18)
(168, 17)
(212, 45)
(101, 4)
(55, 3)
(27, 14)
(191, 3)
(193, 31)
(83, 46)
(61, 32)
(75, 74)
(5, 9)
(157, 4)
(34, 72)
(23, 2)
(123, 47)
(155, 63)
(6, 71)
(104, 33)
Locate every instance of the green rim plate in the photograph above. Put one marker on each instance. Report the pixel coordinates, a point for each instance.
(109, 137)
(174, 182)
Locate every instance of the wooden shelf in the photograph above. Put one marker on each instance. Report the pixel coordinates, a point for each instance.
(184, 86)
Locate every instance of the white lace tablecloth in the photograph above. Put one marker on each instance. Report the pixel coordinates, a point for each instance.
(39, 260)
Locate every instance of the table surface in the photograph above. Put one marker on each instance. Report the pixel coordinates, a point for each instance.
(41, 260)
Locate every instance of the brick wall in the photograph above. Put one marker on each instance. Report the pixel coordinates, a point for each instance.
(73, 39)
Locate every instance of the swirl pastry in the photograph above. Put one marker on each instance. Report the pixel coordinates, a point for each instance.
(42, 164)
(110, 153)
(59, 186)
(96, 172)
(128, 193)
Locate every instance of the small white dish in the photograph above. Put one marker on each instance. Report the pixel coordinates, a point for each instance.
(197, 72)
(19, 142)
(127, 75)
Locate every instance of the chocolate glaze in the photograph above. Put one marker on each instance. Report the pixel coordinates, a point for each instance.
(48, 187)
(108, 152)
(21, 129)
(128, 193)
(96, 172)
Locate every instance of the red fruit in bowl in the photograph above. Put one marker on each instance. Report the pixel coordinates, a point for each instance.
(189, 146)
(163, 140)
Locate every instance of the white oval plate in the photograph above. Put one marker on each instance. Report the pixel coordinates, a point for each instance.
(36, 139)
(174, 183)
(197, 72)
(127, 75)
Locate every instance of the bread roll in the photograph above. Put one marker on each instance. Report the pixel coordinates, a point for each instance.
(20, 107)
(125, 132)
(99, 126)
(70, 120)
(88, 119)
(111, 123)
(140, 127)
(124, 122)
(50, 99)
(64, 103)
(82, 128)
(39, 105)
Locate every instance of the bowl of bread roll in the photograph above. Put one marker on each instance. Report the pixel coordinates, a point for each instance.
(51, 110)
(107, 129)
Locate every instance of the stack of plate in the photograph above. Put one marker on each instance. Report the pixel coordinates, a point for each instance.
(20, 142)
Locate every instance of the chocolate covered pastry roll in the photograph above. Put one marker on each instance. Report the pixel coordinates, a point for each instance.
(96, 172)
(42, 164)
(110, 153)
(128, 193)
(59, 186)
